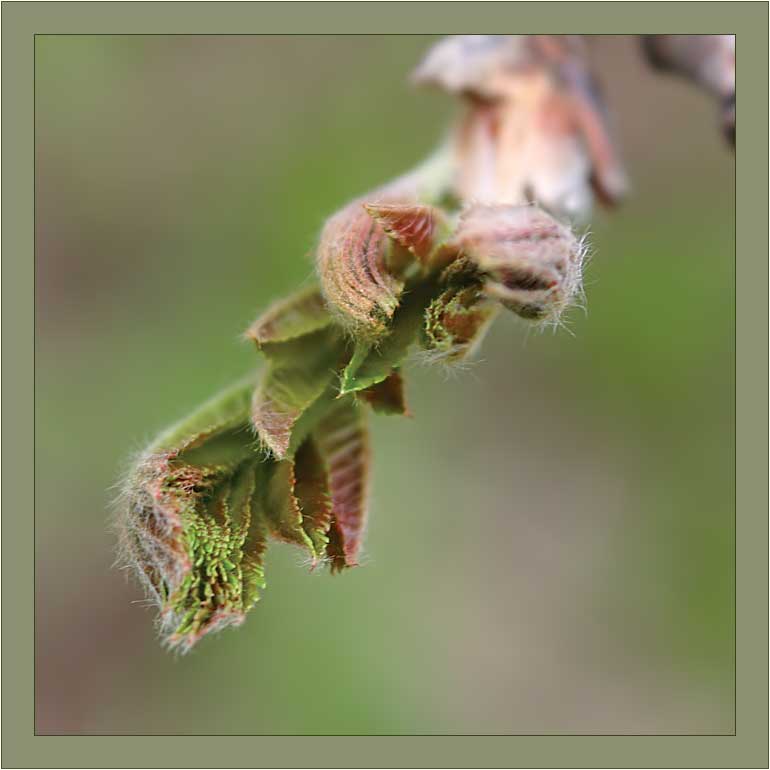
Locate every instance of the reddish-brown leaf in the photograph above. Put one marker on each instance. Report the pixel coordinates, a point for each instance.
(413, 226)
(387, 396)
(343, 441)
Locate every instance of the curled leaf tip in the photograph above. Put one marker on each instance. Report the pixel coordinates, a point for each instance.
(417, 227)
(300, 314)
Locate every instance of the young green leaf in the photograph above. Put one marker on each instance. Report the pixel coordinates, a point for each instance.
(299, 372)
(302, 313)
(226, 409)
(283, 510)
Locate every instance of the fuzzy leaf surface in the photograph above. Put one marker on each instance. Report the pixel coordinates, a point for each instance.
(193, 523)
(299, 372)
(372, 363)
(343, 443)
(302, 313)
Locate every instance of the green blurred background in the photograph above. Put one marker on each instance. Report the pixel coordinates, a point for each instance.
(551, 539)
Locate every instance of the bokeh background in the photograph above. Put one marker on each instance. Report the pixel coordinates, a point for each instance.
(551, 540)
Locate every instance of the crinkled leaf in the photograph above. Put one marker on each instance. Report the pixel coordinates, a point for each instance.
(199, 514)
(193, 526)
(343, 444)
(248, 516)
(302, 313)
(225, 574)
(456, 321)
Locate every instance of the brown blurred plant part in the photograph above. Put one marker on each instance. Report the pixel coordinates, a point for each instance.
(707, 60)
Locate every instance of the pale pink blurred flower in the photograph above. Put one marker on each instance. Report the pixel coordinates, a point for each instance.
(535, 128)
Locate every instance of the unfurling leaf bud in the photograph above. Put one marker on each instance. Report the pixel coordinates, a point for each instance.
(368, 250)
(202, 503)
(529, 262)
(426, 260)
(707, 60)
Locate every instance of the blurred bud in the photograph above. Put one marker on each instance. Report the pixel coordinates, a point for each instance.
(529, 262)
(707, 60)
(468, 65)
(536, 129)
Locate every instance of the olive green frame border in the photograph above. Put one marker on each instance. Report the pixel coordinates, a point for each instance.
(747, 748)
